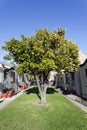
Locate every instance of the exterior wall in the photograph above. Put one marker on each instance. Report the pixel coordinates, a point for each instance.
(78, 83)
(1, 78)
(14, 81)
(71, 80)
(83, 78)
(63, 81)
(10, 79)
(23, 79)
(57, 81)
(66, 81)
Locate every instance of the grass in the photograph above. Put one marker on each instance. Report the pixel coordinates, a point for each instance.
(25, 113)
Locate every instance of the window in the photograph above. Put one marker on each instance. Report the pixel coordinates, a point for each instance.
(5, 74)
(13, 77)
(23, 78)
(73, 77)
(67, 78)
(86, 72)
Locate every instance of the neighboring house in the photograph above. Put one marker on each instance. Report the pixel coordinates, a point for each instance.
(81, 76)
(8, 77)
(76, 77)
(10, 81)
(67, 81)
(81, 83)
(76, 81)
(23, 80)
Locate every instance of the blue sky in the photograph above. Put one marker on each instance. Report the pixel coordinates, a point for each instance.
(26, 16)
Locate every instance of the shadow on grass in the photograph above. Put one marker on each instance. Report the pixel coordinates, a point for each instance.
(32, 90)
(35, 90)
(51, 90)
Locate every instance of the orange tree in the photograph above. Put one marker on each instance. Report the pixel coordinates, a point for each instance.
(41, 53)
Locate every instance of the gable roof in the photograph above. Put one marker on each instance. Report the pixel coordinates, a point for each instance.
(7, 65)
(83, 63)
(82, 57)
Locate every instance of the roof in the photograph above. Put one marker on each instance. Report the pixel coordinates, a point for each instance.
(83, 63)
(7, 65)
(82, 57)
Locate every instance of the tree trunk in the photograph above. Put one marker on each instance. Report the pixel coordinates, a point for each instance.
(43, 94)
(42, 90)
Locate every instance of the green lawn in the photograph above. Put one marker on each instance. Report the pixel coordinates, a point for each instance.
(25, 113)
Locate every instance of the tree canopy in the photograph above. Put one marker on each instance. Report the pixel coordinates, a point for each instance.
(43, 52)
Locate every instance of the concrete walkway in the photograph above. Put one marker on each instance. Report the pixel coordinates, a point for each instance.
(81, 106)
(6, 101)
(69, 97)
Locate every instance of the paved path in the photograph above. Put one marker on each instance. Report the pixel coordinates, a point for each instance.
(81, 106)
(69, 97)
(8, 100)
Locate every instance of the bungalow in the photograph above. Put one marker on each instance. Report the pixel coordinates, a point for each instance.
(8, 77)
(76, 81)
(23, 81)
(10, 81)
(67, 81)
